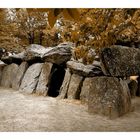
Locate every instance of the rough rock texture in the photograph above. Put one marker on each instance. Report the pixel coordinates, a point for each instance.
(84, 70)
(75, 87)
(84, 95)
(14, 58)
(120, 61)
(34, 53)
(37, 54)
(108, 96)
(19, 75)
(8, 75)
(43, 79)
(37, 50)
(18, 58)
(58, 55)
(133, 86)
(30, 78)
(65, 85)
(2, 64)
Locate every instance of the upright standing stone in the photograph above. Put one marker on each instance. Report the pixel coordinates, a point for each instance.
(5, 79)
(19, 76)
(120, 61)
(65, 85)
(43, 79)
(30, 78)
(108, 96)
(75, 87)
(84, 95)
(8, 75)
(2, 64)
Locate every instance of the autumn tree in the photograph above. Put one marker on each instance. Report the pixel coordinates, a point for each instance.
(7, 30)
(31, 26)
(103, 27)
(92, 28)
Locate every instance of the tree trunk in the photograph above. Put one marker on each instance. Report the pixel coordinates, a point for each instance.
(31, 37)
(40, 37)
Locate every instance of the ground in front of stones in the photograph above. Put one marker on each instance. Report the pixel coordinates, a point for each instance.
(19, 112)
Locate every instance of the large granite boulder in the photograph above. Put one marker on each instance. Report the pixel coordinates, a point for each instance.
(8, 75)
(37, 50)
(120, 61)
(59, 54)
(19, 75)
(65, 85)
(43, 79)
(30, 79)
(109, 97)
(84, 70)
(75, 87)
(34, 53)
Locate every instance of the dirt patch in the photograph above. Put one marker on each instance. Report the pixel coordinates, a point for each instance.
(20, 112)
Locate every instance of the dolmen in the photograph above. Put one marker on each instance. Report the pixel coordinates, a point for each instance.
(102, 86)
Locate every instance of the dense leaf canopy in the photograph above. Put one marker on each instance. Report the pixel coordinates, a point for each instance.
(94, 28)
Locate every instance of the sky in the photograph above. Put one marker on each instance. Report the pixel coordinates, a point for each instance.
(70, 3)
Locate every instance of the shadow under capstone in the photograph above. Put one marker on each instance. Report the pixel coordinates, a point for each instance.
(56, 79)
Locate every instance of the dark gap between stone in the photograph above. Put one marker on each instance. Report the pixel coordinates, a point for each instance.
(35, 60)
(56, 80)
